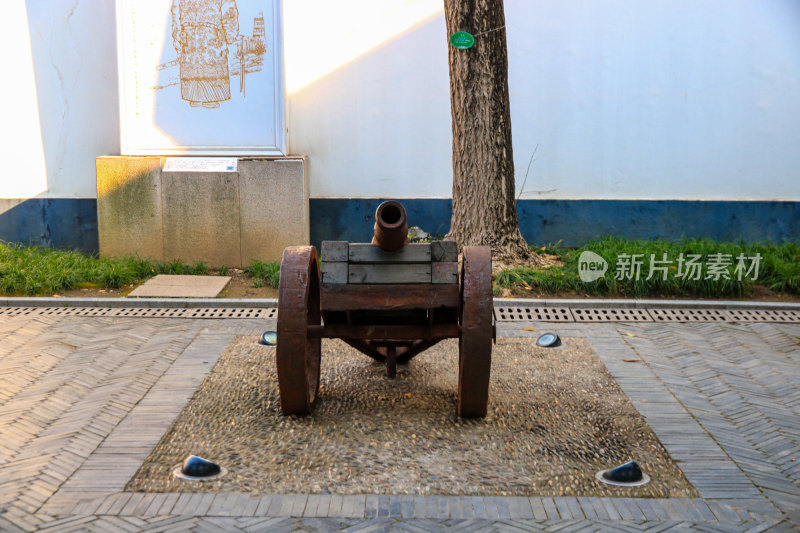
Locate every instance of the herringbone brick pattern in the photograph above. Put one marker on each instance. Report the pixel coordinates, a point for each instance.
(84, 399)
(282, 524)
(742, 391)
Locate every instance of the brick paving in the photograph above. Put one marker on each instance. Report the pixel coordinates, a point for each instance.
(83, 400)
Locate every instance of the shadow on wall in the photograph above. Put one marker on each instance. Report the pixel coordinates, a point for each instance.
(372, 127)
(73, 47)
(51, 222)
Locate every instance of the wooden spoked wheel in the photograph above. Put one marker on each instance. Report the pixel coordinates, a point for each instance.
(298, 357)
(475, 342)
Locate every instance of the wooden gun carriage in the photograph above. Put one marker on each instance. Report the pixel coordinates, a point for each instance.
(391, 301)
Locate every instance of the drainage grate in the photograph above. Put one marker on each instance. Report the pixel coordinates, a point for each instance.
(611, 315)
(758, 315)
(688, 315)
(17, 311)
(223, 312)
(539, 314)
(155, 312)
(502, 314)
(144, 312)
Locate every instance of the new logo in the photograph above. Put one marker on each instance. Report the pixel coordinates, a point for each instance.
(591, 266)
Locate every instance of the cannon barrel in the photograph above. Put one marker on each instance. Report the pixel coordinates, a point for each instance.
(391, 226)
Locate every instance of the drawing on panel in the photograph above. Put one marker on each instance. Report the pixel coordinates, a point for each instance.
(202, 32)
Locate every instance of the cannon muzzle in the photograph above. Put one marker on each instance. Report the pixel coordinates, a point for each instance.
(391, 226)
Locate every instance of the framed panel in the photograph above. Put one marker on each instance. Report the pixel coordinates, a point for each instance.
(201, 77)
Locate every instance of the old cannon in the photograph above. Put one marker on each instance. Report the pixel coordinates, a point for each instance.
(390, 300)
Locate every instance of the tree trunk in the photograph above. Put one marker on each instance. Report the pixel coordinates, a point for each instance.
(484, 203)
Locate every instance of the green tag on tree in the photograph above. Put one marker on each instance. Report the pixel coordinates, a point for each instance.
(462, 40)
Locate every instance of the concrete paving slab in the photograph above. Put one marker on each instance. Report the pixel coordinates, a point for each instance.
(175, 286)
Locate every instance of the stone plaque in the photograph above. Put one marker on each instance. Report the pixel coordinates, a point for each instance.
(201, 164)
(201, 77)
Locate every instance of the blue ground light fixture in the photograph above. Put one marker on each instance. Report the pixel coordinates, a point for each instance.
(625, 475)
(548, 340)
(196, 468)
(269, 338)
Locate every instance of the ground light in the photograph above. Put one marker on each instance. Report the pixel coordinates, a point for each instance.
(196, 468)
(625, 475)
(548, 340)
(269, 338)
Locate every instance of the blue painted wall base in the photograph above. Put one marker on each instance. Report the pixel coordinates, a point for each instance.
(573, 222)
(72, 223)
(52, 223)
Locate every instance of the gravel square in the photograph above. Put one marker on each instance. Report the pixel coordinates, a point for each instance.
(556, 417)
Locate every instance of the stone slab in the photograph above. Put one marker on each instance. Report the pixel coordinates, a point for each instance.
(129, 206)
(273, 199)
(202, 218)
(221, 218)
(174, 286)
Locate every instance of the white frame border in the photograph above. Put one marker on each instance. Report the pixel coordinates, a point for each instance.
(280, 100)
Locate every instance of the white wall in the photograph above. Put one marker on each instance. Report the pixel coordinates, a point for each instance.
(670, 99)
(60, 103)
(660, 99)
(369, 103)
(657, 99)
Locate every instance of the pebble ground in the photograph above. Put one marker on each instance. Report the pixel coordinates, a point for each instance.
(556, 417)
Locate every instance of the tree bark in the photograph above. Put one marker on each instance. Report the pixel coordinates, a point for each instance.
(484, 203)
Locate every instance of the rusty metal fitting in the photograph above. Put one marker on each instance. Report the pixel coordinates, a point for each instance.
(391, 226)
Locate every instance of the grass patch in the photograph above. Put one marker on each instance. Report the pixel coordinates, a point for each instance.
(264, 273)
(30, 270)
(33, 271)
(778, 269)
